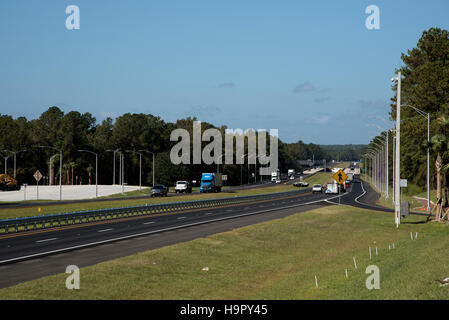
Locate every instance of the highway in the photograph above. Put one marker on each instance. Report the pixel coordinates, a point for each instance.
(29, 255)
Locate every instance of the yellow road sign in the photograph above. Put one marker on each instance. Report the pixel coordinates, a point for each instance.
(340, 177)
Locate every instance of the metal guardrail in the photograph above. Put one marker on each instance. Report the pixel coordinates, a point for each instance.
(15, 225)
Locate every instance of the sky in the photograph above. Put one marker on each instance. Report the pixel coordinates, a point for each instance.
(311, 69)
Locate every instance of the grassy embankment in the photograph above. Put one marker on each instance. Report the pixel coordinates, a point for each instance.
(408, 194)
(278, 259)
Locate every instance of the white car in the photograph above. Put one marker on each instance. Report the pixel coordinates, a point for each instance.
(278, 181)
(317, 188)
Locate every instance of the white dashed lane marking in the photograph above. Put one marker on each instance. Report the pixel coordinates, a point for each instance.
(47, 240)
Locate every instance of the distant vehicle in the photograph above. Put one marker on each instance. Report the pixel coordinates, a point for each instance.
(301, 184)
(211, 182)
(278, 181)
(332, 188)
(7, 183)
(291, 174)
(347, 184)
(183, 186)
(275, 175)
(317, 188)
(159, 190)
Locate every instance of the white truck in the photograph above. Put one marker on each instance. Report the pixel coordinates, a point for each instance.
(183, 186)
(291, 174)
(275, 176)
(332, 188)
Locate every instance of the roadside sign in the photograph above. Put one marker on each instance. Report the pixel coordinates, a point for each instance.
(37, 175)
(224, 177)
(403, 183)
(340, 177)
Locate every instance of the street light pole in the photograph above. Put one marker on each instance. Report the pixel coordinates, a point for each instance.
(398, 153)
(96, 170)
(140, 166)
(113, 165)
(60, 169)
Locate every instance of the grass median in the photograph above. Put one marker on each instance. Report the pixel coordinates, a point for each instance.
(108, 203)
(278, 259)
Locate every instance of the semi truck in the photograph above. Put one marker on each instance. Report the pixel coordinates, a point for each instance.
(211, 182)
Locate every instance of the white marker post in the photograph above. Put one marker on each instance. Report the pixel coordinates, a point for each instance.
(316, 282)
(370, 253)
(355, 263)
(346, 272)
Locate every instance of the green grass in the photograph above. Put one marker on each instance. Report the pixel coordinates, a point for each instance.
(273, 260)
(73, 207)
(320, 178)
(408, 194)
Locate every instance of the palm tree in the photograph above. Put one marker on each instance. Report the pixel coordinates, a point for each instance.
(90, 169)
(66, 168)
(72, 166)
(439, 145)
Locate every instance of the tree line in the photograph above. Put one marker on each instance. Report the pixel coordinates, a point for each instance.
(425, 86)
(37, 142)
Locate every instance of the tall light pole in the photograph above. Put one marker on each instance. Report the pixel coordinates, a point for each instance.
(398, 153)
(60, 169)
(218, 162)
(153, 153)
(140, 166)
(96, 170)
(113, 174)
(6, 163)
(15, 156)
(385, 175)
(379, 165)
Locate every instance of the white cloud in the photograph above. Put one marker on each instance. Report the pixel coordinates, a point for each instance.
(304, 87)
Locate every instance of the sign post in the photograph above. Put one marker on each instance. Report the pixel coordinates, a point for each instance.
(38, 176)
(340, 177)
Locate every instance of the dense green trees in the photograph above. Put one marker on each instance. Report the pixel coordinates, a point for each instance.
(143, 133)
(425, 85)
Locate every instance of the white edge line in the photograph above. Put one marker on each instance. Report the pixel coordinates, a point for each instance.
(156, 231)
(364, 192)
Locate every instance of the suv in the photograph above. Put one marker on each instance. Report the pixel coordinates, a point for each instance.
(159, 190)
(317, 188)
(183, 186)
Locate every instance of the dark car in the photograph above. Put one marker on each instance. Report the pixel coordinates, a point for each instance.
(159, 190)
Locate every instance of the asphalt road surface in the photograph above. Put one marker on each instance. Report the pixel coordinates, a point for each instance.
(35, 254)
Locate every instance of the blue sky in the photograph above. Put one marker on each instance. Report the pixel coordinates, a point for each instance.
(308, 68)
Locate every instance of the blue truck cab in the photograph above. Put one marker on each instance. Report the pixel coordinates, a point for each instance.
(211, 182)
